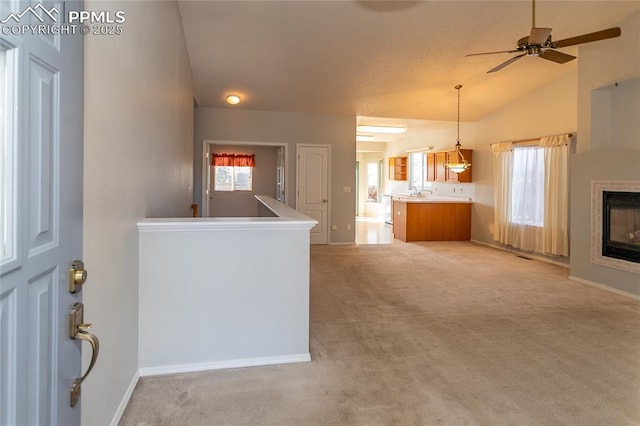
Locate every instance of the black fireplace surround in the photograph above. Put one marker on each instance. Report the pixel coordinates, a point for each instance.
(621, 225)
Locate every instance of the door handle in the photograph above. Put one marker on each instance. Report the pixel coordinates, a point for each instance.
(79, 330)
(324, 200)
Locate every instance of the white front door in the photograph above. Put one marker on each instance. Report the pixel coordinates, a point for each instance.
(313, 188)
(41, 113)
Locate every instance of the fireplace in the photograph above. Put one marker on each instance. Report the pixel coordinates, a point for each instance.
(621, 225)
(615, 222)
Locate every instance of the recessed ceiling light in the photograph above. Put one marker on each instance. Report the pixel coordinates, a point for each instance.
(233, 99)
(382, 129)
(364, 138)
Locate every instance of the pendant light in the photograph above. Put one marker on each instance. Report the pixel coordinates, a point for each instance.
(455, 160)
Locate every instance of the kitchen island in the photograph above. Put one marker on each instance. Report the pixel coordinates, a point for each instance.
(431, 218)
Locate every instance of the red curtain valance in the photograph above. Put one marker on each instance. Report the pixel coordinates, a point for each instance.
(238, 160)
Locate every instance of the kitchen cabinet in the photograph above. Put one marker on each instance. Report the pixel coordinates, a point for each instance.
(398, 168)
(431, 221)
(442, 174)
(430, 174)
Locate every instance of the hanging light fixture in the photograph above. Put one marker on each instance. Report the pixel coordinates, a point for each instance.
(455, 160)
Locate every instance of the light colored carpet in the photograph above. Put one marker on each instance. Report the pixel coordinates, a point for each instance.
(446, 333)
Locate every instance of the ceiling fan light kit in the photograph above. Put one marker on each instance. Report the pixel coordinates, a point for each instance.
(455, 161)
(539, 44)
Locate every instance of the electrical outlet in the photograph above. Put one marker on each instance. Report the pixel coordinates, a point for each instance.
(348, 227)
(334, 227)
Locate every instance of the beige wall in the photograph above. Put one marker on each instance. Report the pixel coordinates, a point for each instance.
(244, 203)
(610, 146)
(602, 64)
(137, 164)
(237, 125)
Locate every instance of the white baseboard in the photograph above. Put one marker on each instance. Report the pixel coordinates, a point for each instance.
(605, 287)
(125, 399)
(523, 253)
(219, 365)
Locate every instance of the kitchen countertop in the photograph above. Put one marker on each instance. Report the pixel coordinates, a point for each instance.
(430, 199)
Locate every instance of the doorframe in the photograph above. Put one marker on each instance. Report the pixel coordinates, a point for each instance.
(205, 164)
(312, 145)
(357, 191)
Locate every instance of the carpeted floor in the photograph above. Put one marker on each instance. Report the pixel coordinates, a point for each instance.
(447, 333)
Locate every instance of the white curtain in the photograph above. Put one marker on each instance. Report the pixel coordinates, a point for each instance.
(527, 198)
(555, 235)
(531, 190)
(502, 162)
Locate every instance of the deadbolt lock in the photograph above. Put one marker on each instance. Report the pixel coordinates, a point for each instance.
(77, 276)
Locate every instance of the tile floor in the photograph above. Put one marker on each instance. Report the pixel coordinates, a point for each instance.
(373, 230)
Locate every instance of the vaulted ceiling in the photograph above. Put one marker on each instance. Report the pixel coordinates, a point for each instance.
(378, 58)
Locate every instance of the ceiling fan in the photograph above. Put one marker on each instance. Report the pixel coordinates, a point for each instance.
(538, 43)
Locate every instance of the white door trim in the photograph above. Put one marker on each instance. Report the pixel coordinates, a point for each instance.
(310, 145)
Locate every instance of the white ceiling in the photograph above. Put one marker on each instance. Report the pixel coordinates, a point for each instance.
(378, 59)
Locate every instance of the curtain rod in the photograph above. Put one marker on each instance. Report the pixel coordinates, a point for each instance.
(522, 141)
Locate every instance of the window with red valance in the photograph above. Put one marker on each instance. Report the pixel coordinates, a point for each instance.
(233, 172)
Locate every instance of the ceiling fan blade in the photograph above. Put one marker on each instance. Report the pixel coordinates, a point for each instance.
(588, 38)
(539, 35)
(555, 56)
(504, 64)
(491, 53)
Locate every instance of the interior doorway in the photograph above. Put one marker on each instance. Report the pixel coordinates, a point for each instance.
(373, 230)
(221, 198)
(370, 214)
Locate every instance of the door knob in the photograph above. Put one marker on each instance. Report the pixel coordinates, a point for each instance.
(324, 200)
(77, 276)
(79, 330)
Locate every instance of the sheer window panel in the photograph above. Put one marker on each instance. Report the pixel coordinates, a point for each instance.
(527, 201)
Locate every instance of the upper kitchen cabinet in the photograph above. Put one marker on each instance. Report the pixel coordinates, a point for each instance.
(430, 174)
(398, 168)
(440, 173)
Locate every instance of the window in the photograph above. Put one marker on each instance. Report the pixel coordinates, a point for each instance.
(531, 193)
(527, 201)
(373, 182)
(233, 172)
(417, 170)
(231, 178)
(7, 160)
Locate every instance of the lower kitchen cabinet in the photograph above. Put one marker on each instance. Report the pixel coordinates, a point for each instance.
(431, 221)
